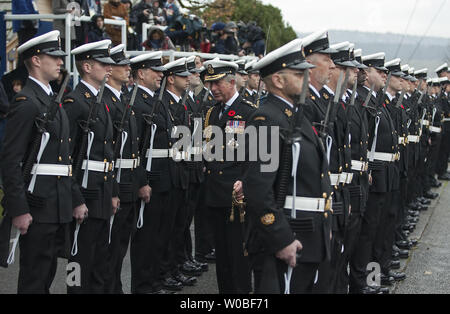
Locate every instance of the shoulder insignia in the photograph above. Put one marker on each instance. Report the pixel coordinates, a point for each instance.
(387, 101)
(21, 98)
(144, 95)
(68, 100)
(171, 102)
(238, 117)
(268, 219)
(288, 113)
(209, 98)
(250, 103)
(325, 95)
(87, 95)
(113, 98)
(260, 118)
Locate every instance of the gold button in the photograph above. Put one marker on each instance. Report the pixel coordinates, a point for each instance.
(346, 165)
(335, 187)
(61, 140)
(360, 143)
(324, 195)
(326, 215)
(360, 173)
(329, 173)
(340, 169)
(322, 175)
(345, 146)
(59, 177)
(361, 159)
(60, 158)
(209, 171)
(106, 142)
(105, 160)
(113, 176)
(220, 172)
(70, 157)
(138, 138)
(70, 140)
(106, 178)
(133, 155)
(170, 144)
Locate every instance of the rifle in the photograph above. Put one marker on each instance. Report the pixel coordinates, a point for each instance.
(86, 129)
(400, 99)
(353, 98)
(41, 123)
(149, 133)
(381, 99)
(120, 130)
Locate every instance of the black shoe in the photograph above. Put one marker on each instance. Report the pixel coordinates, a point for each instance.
(172, 284)
(407, 227)
(394, 265)
(184, 280)
(444, 177)
(202, 266)
(415, 206)
(413, 242)
(413, 213)
(188, 268)
(435, 184)
(211, 257)
(431, 195)
(387, 280)
(383, 290)
(368, 290)
(412, 219)
(162, 291)
(398, 276)
(395, 256)
(424, 201)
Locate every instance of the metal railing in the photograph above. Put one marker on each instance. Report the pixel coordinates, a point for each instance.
(68, 19)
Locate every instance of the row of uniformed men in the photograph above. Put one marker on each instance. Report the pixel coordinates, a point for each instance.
(123, 148)
(351, 180)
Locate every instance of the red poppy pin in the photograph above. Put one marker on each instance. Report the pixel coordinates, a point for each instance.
(232, 113)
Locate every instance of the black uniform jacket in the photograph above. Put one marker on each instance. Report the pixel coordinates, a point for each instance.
(53, 198)
(102, 186)
(312, 180)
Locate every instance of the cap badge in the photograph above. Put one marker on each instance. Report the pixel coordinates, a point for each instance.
(268, 219)
(210, 69)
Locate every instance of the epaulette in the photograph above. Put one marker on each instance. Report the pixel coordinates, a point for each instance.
(250, 103)
(68, 100)
(20, 98)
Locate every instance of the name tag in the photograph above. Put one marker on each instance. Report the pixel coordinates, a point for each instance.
(235, 127)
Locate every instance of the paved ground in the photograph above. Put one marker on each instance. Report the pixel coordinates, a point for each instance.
(427, 268)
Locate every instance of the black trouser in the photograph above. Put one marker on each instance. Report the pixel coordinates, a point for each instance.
(402, 213)
(38, 256)
(432, 158)
(363, 255)
(444, 152)
(232, 266)
(204, 237)
(92, 256)
(351, 239)
(192, 205)
(174, 222)
(412, 179)
(146, 247)
(386, 231)
(421, 169)
(123, 224)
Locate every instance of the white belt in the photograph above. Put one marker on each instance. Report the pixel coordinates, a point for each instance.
(127, 163)
(168, 153)
(52, 170)
(413, 138)
(401, 140)
(307, 204)
(426, 122)
(98, 166)
(435, 129)
(359, 165)
(446, 120)
(386, 157)
(335, 178)
(346, 177)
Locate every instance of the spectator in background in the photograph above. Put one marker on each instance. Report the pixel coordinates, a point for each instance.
(116, 10)
(56, 84)
(89, 8)
(4, 107)
(97, 31)
(60, 7)
(17, 86)
(140, 14)
(158, 13)
(231, 42)
(25, 29)
(218, 38)
(157, 39)
(171, 11)
(132, 37)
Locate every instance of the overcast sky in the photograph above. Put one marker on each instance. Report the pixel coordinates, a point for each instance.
(366, 15)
